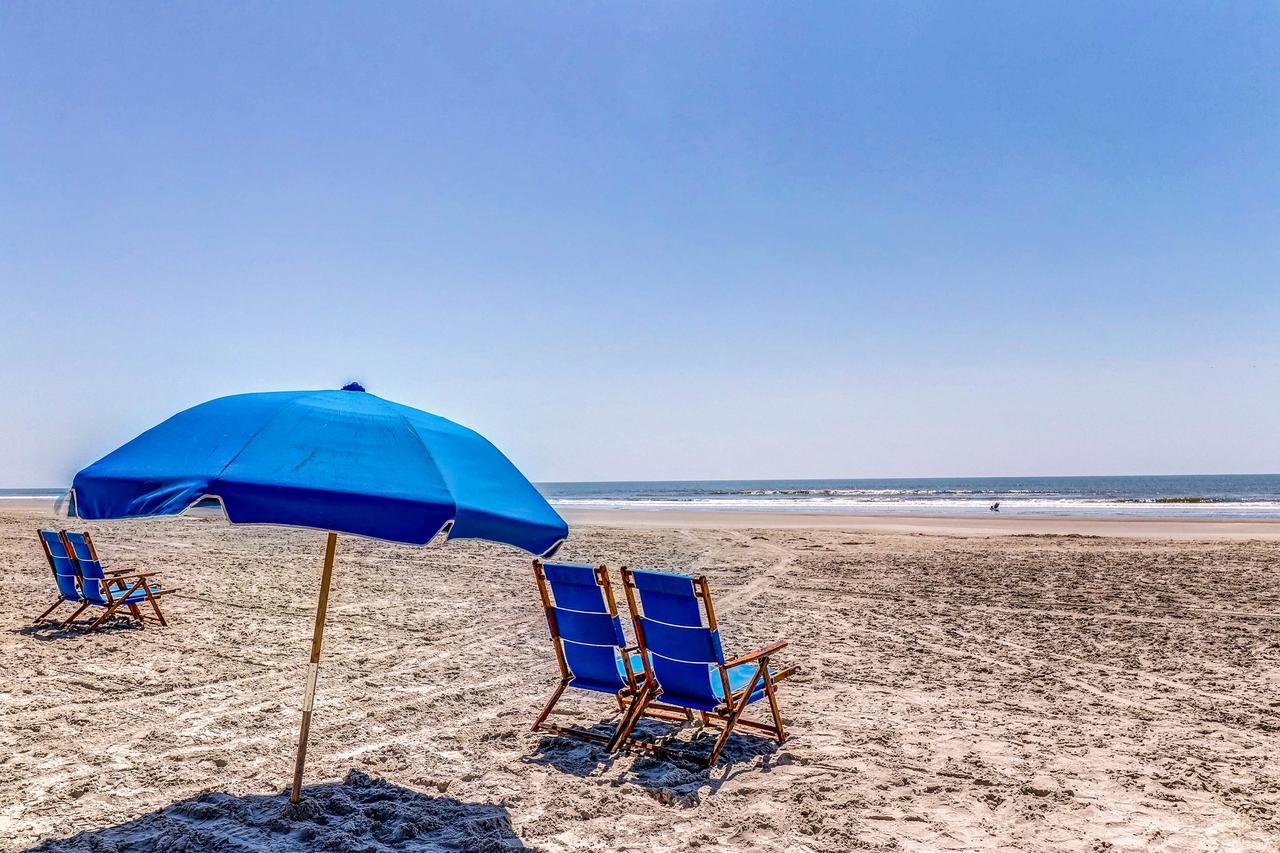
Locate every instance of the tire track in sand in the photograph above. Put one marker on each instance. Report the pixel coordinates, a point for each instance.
(783, 558)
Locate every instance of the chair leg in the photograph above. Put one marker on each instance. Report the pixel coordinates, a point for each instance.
(770, 691)
(137, 614)
(551, 703)
(732, 720)
(76, 615)
(155, 605)
(106, 614)
(40, 618)
(723, 738)
(631, 719)
(115, 604)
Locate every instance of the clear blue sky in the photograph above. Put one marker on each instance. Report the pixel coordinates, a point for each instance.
(655, 240)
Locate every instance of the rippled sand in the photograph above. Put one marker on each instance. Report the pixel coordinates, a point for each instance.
(1016, 692)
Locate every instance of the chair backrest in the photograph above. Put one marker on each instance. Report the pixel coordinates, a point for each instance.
(88, 565)
(583, 619)
(64, 568)
(684, 653)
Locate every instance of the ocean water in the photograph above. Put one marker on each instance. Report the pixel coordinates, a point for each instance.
(31, 494)
(1178, 496)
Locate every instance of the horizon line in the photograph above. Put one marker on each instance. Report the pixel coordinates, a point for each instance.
(821, 479)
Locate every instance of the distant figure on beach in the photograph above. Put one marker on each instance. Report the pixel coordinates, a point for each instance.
(995, 507)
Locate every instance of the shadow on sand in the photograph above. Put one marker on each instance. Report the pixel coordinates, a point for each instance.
(673, 779)
(359, 814)
(56, 631)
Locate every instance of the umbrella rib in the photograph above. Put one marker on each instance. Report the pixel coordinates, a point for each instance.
(430, 458)
(250, 440)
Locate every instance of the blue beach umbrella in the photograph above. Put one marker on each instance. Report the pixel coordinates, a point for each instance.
(340, 461)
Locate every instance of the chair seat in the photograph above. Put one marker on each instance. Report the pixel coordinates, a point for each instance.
(739, 677)
(136, 598)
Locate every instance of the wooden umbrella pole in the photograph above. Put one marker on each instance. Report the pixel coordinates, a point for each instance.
(313, 670)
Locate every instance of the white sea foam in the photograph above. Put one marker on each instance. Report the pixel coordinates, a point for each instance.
(1040, 506)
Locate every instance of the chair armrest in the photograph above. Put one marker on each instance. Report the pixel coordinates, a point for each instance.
(757, 654)
(115, 588)
(142, 576)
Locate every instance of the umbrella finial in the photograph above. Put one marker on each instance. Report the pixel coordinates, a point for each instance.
(353, 386)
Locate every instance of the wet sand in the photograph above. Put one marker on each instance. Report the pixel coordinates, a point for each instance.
(959, 690)
(992, 524)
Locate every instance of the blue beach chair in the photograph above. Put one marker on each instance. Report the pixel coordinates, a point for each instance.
(587, 635)
(685, 664)
(64, 574)
(112, 589)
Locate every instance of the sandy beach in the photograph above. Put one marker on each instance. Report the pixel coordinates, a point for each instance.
(1106, 685)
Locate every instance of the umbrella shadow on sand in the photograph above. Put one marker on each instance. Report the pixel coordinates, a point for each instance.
(673, 779)
(360, 813)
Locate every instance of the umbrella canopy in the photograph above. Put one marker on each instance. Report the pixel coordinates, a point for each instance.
(342, 461)
(345, 461)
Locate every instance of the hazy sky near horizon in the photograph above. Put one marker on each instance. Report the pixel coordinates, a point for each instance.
(658, 240)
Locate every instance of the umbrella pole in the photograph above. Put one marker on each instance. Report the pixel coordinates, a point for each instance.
(313, 670)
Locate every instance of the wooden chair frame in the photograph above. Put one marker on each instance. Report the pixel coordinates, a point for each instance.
(48, 555)
(623, 696)
(115, 588)
(729, 714)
